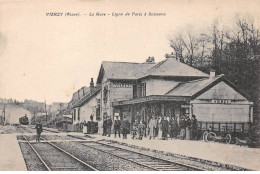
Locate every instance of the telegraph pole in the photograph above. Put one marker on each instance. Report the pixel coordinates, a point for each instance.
(4, 115)
(46, 110)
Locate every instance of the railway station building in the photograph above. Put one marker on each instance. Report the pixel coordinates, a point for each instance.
(170, 88)
(86, 107)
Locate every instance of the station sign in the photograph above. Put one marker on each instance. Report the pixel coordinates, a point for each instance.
(122, 85)
(221, 101)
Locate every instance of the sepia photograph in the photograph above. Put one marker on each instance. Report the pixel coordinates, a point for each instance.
(110, 85)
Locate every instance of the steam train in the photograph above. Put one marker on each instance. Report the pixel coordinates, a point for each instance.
(24, 120)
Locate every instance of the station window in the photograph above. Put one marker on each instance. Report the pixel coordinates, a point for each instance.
(74, 114)
(78, 113)
(143, 86)
(134, 91)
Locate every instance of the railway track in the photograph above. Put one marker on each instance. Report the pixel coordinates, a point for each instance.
(154, 163)
(23, 129)
(147, 160)
(55, 158)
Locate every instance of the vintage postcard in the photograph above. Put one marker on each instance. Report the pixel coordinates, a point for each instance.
(110, 85)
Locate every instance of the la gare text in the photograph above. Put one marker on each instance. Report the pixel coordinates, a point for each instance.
(114, 14)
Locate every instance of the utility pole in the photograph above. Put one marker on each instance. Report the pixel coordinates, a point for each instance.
(4, 115)
(46, 110)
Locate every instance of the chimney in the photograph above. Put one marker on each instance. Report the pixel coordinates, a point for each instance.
(212, 73)
(167, 56)
(91, 86)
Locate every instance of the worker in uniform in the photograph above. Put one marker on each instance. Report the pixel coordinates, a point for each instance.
(109, 125)
(135, 129)
(194, 127)
(125, 127)
(38, 128)
(145, 126)
(182, 128)
(188, 126)
(153, 124)
(176, 129)
(165, 126)
(141, 129)
(92, 125)
(171, 127)
(117, 125)
(104, 127)
(85, 127)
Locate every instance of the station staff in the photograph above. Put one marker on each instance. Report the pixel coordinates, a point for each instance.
(117, 125)
(125, 127)
(109, 125)
(38, 128)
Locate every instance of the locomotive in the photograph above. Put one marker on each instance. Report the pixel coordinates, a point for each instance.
(24, 120)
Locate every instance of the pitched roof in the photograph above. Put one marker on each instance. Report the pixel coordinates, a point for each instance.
(192, 87)
(122, 70)
(87, 97)
(196, 87)
(173, 67)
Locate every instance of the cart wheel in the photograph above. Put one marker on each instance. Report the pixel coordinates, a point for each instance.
(210, 136)
(227, 139)
(204, 135)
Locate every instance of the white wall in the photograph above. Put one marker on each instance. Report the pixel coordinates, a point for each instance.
(89, 108)
(159, 86)
(221, 112)
(237, 109)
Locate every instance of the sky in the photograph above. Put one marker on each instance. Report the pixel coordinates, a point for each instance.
(50, 57)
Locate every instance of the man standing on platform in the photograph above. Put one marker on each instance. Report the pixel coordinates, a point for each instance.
(104, 126)
(183, 128)
(141, 128)
(165, 125)
(109, 125)
(188, 125)
(125, 127)
(194, 127)
(92, 125)
(117, 125)
(171, 127)
(38, 128)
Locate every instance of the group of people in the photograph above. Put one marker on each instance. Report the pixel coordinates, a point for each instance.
(119, 126)
(177, 127)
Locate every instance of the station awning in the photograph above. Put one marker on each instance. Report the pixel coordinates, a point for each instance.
(152, 98)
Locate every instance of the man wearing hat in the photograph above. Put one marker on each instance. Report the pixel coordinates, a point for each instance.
(105, 126)
(117, 124)
(125, 127)
(109, 125)
(194, 127)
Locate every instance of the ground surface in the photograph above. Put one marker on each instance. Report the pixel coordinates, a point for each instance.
(17, 155)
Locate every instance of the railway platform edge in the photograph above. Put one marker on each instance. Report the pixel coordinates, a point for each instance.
(13, 159)
(233, 155)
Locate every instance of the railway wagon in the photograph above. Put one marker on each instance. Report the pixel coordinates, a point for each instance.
(24, 120)
(236, 129)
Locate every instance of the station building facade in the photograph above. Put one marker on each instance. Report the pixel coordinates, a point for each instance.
(170, 88)
(86, 107)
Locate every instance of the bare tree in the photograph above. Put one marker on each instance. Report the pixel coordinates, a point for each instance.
(191, 44)
(178, 46)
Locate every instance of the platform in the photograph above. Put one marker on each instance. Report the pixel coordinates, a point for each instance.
(231, 154)
(11, 156)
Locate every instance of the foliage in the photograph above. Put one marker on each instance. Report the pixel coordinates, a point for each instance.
(232, 50)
